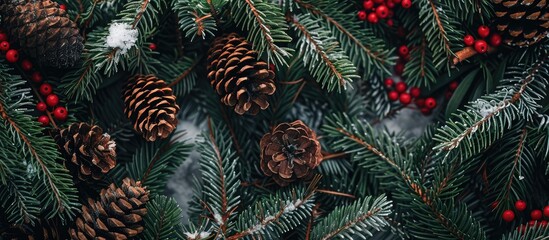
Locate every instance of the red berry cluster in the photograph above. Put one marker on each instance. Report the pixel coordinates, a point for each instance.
(374, 10)
(52, 100)
(400, 92)
(537, 216)
(403, 57)
(480, 45)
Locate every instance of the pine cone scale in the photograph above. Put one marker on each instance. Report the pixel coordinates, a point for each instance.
(521, 22)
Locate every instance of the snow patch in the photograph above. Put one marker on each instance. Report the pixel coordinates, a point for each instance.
(122, 36)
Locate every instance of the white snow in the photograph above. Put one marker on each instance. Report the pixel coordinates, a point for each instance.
(485, 108)
(218, 219)
(291, 206)
(122, 36)
(204, 234)
(191, 235)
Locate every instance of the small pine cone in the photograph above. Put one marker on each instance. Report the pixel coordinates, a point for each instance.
(151, 107)
(238, 77)
(87, 150)
(43, 30)
(289, 152)
(118, 215)
(522, 22)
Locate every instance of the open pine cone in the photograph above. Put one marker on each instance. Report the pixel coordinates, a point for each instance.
(43, 30)
(238, 77)
(151, 107)
(289, 152)
(89, 153)
(118, 215)
(522, 22)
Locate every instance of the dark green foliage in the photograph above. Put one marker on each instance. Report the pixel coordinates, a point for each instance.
(163, 219)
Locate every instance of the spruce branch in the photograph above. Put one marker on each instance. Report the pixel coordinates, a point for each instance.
(355, 221)
(266, 28)
(321, 54)
(163, 219)
(370, 57)
(196, 19)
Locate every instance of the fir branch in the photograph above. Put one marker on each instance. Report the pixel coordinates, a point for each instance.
(196, 19)
(321, 54)
(266, 27)
(484, 122)
(18, 203)
(355, 221)
(154, 162)
(163, 219)
(420, 70)
(369, 57)
(54, 185)
(441, 31)
(536, 232)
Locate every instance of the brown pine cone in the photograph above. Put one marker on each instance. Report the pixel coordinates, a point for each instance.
(151, 107)
(87, 150)
(238, 76)
(522, 22)
(118, 215)
(43, 30)
(289, 152)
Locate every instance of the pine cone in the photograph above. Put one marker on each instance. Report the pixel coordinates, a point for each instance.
(43, 30)
(522, 22)
(289, 152)
(118, 215)
(87, 150)
(238, 77)
(151, 106)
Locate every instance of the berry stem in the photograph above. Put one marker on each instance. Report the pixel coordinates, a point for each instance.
(468, 52)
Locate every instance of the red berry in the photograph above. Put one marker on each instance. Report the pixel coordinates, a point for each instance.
(406, 3)
(415, 92)
(390, 4)
(495, 40)
(397, 1)
(430, 103)
(389, 82)
(483, 31)
(4, 46)
(405, 98)
(536, 214)
(520, 205)
(392, 95)
(401, 87)
(543, 223)
(399, 68)
(368, 5)
(379, 1)
(62, 6)
(152, 46)
(546, 211)
(382, 11)
(481, 46)
(361, 15)
(60, 113)
(403, 51)
(420, 102)
(426, 111)
(41, 106)
(52, 100)
(372, 18)
(469, 40)
(26, 65)
(45, 89)
(44, 120)
(508, 215)
(3, 37)
(36, 77)
(448, 94)
(453, 85)
(532, 223)
(12, 56)
(390, 23)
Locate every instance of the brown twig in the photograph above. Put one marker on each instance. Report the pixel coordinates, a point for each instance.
(467, 53)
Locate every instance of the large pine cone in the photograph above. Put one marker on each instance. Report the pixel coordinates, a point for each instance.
(43, 30)
(87, 150)
(522, 22)
(151, 106)
(289, 152)
(118, 215)
(238, 77)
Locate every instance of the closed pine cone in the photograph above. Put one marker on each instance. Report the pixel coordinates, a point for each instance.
(289, 152)
(117, 215)
(522, 22)
(89, 153)
(242, 81)
(43, 30)
(151, 107)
